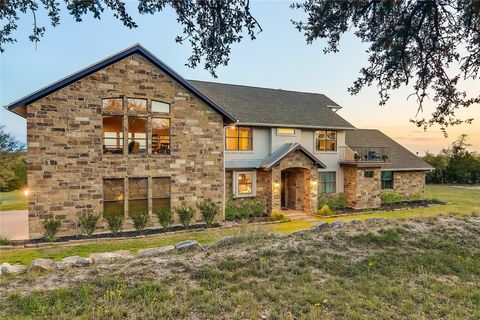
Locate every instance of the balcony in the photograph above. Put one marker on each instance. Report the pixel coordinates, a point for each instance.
(365, 154)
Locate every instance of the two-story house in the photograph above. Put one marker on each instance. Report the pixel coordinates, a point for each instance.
(130, 133)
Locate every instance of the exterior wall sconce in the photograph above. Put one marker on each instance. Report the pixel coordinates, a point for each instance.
(276, 185)
(26, 192)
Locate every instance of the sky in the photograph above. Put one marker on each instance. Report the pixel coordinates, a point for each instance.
(279, 58)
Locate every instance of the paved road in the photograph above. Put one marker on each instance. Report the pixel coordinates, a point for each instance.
(14, 224)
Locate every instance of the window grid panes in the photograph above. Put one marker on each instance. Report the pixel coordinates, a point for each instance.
(113, 196)
(113, 134)
(112, 104)
(137, 135)
(160, 194)
(137, 195)
(285, 131)
(328, 182)
(135, 104)
(368, 174)
(160, 136)
(238, 138)
(245, 183)
(326, 140)
(387, 179)
(158, 106)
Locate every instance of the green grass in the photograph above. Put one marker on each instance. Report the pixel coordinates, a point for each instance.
(393, 273)
(14, 200)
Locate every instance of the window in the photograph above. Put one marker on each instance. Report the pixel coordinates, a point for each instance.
(245, 184)
(368, 174)
(158, 106)
(113, 196)
(326, 140)
(160, 194)
(285, 131)
(238, 138)
(328, 182)
(137, 104)
(387, 179)
(160, 136)
(115, 104)
(137, 135)
(137, 195)
(113, 134)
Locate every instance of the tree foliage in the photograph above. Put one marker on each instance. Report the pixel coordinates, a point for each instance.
(417, 43)
(210, 26)
(13, 168)
(454, 164)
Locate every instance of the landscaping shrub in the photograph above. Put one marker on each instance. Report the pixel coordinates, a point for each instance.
(165, 217)
(390, 197)
(325, 211)
(50, 226)
(231, 210)
(88, 221)
(4, 241)
(243, 211)
(415, 196)
(256, 208)
(114, 219)
(185, 214)
(277, 216)
(208, 209)
(334, 201)
(140, 219)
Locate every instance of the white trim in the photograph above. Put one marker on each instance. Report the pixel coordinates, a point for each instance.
(299, 126)
(254, 184)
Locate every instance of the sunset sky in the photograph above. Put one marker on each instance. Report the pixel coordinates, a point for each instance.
(278, 58)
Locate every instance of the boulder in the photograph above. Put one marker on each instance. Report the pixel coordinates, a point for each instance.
(41, 264)
(188, 245)
(337, 224)
(7, 268)
(355, 221)
(105, 256)
(375, 220)
(77, 261)
(60, 265)
(321, 225)
(150, 252)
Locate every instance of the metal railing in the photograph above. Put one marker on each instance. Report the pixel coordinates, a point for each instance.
(365, 154)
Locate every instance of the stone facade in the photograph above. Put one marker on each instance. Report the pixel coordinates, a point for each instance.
(263, 185)
(361, 191)
(66, 166)
(409, 183)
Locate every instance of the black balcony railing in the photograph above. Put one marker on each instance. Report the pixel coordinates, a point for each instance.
(365, 154)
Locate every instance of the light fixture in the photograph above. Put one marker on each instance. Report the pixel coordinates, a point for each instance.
(277, 185)
(26, 192)
(314, 182)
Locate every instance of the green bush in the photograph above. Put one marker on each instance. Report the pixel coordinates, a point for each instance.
(277, 216)
(50, 228)
(88, 221)
(415, 196)
(334, 201)
(256, 208)
(185, 214)
(244, 211)
(208, 209)
(114, 219)
(231, 210)
(140, 219)
(4, 241)
(165, 217)
(325, 211)
(390, 197)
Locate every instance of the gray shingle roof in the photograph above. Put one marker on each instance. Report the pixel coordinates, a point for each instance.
(401, 158)
(273, 158)
(267, 107)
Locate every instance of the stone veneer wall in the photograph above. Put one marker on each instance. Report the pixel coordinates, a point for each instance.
(263, 185)
(361, 192)
(64, 138)
(310, 192)
(408, 183)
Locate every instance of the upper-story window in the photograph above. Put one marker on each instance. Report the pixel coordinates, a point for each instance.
(238, 138)
(325, 140)
(285, 131)
(120, 122)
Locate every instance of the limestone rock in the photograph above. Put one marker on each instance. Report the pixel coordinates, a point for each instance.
(41, 265)
(7, 268)
(321, 225)
(188, 245)
(150, 252)
(355, 221)
(337, 224)
(105, 256)
(77, 261)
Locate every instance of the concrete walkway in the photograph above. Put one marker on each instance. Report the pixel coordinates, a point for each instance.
(299, 215)
(14, 224)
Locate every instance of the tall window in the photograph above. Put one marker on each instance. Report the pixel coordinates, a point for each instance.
(113, 196)
(387, 179)
(326, 140)
(328, 182)
(160, 194)
(244, 184)
(113, 134)
(160, 136)
(238, 138)
(137, 195)
(137, 126)
(137, 135)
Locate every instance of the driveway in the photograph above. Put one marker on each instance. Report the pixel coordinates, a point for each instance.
(14, 224)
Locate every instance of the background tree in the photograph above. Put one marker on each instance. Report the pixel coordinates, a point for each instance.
(13, 168)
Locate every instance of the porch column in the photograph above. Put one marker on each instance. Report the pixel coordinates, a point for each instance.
(276, 189)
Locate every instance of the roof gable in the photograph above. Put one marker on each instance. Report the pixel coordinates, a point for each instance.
(135, 49)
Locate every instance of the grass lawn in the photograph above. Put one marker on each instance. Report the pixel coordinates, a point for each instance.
(461, 202)
(425, 269)
(14, 200)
